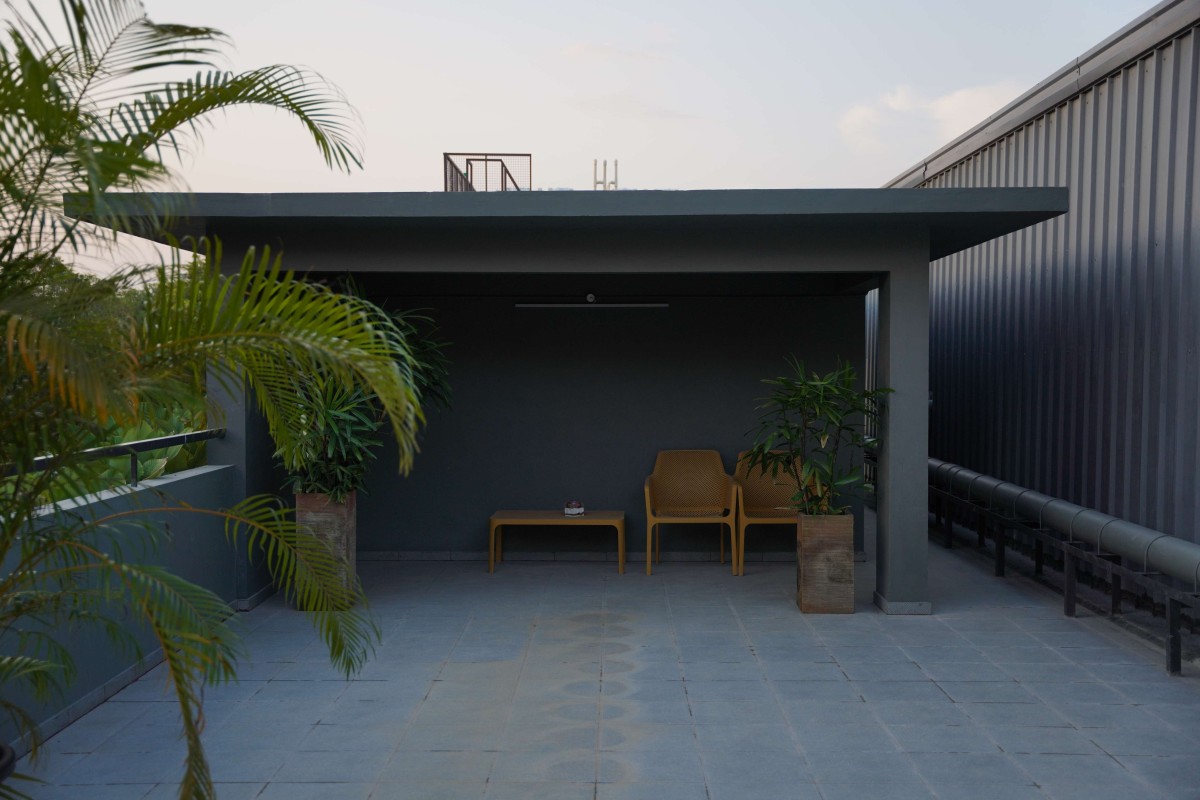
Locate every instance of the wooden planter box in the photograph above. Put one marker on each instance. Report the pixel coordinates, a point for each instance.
(825, 564)
(333, 523)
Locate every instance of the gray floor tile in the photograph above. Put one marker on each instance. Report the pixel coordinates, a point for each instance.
(1120, 791)
(882, 692)
(1099, 715)
(971, 769)
(942, 739)
(639, 766)
(647, 737)
(740, 691)
(565, 766)
(225, 791)
(771, 767)
(1020, 714)
(1077, 692)
(803, 671)
(1078, 770)
(946, 654)
(762, 789)
(918, 713)
(1174, 775)
(348, 737)
(420, 767)
(540, 790)
(991, 791)
(723, 712)
(873, 768)
(316, 791)
(844, 738)
(1129, 742)
(745, 737)
(889, 671)
(817, 691)
(1047, 741)
(333, 767)
(909, 790)
(964, 671)
(112, 791)
(246, 766)
(557, 680)
(656, 790)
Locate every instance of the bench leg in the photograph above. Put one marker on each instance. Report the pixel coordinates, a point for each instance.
(620, 548)
(492, 547)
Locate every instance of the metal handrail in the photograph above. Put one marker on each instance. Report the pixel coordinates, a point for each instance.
(130, 449)
(1120, 549)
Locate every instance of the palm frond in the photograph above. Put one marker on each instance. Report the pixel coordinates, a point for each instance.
(314, 574)
(262, 325)
(144, 123)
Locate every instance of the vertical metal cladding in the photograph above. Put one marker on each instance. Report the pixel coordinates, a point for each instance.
(1064, 357)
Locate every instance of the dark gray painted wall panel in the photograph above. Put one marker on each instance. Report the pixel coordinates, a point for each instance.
(1064, 356)
(197, 551)
(561, 404)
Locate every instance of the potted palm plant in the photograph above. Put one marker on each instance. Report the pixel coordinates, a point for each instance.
(337, 438)
(328, 464)
(809, 427)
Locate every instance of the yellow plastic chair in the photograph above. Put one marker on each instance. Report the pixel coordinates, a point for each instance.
(761, 500)
(690, 487)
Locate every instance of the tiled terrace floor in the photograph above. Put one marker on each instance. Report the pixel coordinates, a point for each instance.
(560, 680)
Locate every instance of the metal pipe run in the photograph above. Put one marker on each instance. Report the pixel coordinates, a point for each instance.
(1153, 550)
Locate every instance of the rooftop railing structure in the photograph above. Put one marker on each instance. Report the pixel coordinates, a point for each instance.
(1122, 553)
(130, 449)
(487, 172)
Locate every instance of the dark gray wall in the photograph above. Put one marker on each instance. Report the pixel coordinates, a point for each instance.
(248, 449)
(1064, 357)
(197, 550)
(556, 404)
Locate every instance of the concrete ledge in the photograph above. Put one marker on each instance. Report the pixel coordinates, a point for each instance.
(902, 606)
(247, 603)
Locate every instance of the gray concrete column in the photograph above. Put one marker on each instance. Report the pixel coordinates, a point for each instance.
(901, 570)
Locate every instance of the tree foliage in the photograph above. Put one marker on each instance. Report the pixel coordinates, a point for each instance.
(82, 115)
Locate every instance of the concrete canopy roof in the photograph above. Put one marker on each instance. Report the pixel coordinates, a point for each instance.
(955, 218)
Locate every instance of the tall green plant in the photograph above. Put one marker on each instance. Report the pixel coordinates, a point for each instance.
(340, 426)
(807, 426)
(82, 117)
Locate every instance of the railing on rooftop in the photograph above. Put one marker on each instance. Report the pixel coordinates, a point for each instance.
(487, 172)
(130, 449)
(1122, 553)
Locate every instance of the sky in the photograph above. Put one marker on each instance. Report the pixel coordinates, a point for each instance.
(685, 95)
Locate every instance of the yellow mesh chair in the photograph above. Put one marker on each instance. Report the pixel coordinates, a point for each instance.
(689, 487)
(761, 500)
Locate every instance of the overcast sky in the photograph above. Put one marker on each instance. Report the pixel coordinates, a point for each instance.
(760, 94)
(686, 95)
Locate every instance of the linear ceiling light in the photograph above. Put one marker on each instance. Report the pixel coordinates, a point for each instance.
(589, 301)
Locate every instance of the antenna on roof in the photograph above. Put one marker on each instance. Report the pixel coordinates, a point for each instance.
(601, 181)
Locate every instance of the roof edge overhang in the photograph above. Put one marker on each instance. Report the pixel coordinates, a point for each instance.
(955, 218)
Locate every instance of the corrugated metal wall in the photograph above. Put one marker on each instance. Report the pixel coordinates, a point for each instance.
(1065, 357)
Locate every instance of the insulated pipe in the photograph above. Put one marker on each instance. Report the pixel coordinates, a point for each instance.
(1153, 551)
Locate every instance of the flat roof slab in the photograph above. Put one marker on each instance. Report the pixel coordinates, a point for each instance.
(955, 218)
